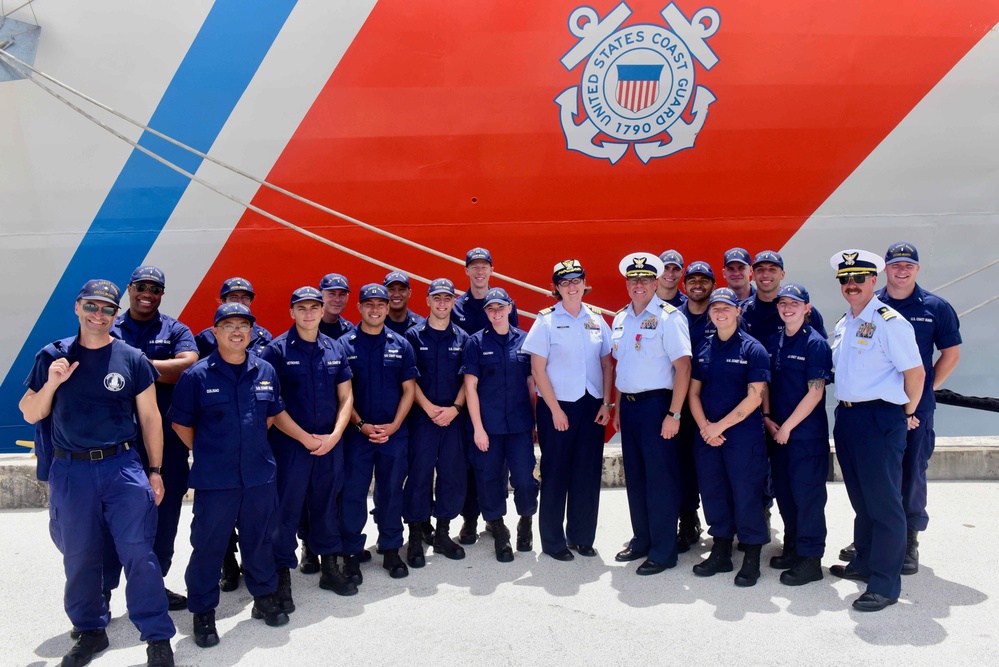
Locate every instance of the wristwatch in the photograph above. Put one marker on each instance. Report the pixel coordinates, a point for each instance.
(155, 469)
(457, 407)
(360, 424)
(675, 415)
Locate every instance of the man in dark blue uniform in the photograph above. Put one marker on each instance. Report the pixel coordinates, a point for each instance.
(879, 381)
(170, 346)
(936, 325)
(738, 273)
(315, 386)
(668, 285)
(400, 317)
(88, 392)
(336, 293)
(759, 312)
(222, 408)
(436, 439)
(235, 290)
(384, 385)
(469, 314)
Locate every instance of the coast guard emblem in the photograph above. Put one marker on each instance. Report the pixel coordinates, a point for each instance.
(637, 84)
(114, 382)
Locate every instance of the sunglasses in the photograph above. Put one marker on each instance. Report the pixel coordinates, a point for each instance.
(91, 308)
(155, 290)
(858, 278)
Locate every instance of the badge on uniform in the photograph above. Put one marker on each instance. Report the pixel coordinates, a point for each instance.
(638, 341)
(866, 330)
(591, 324)
(650, 323)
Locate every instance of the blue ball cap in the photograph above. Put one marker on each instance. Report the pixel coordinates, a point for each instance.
(441, 286)
(306, 294)
(497, 295)
(478, 253)
(227, 310)
(100, 290)
(671, 257)
(373, 291)
(901, 252)
(793, 291)
(236, 285)
(148, 274)
(700, 267)
(334, 281)
(740, 255)
(724, 295)
(769, 256)
(396, 277)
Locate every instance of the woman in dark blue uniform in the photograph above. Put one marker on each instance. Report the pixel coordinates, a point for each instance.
(729, 375)
(499, 392)
(798, 435)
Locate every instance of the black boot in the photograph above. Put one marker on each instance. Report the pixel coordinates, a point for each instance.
(333, 579)
(159, 653)
(205, 634)
(469, 533)
(911, 563)
(414, 551)
(501, 541)
(525, 534)
(720, 559)
(804, 571)
(428, 532)
(689, 532)
(268, 608)
(749, 573)
(89, 644)
(230, 573)
(352, 569)
(283, 593)
(391, 562)
(788, 558)
(443, 544)
(310, 561)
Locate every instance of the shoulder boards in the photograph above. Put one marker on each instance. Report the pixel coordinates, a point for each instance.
(547, 311)
(621, 311)
(668, 307)
(887, 313)
(841, 318)
(593, 309)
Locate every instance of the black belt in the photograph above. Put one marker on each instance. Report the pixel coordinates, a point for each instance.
(860, 404)
(93, 454)
(642, 395)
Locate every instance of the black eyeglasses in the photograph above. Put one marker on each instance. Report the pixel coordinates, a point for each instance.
(571, 281)
(93, 308)
(152, 289)
(858, 278)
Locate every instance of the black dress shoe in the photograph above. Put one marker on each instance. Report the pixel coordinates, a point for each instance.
(159, 654)
(869, 601)
(847, 572)
(205, 634)
(175, 601)
(90, 643)
(651, 567)
(584, 550)
(629, 554)
(564, 555)
(847, 553)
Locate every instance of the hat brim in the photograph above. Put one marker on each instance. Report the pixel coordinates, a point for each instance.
(102, 299)
(236, 316)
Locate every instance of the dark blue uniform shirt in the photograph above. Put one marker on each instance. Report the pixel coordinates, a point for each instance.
(677, 300)
(95, 407)
(763, 321)
(380, 364)
(412, 319)
(935, 323)
(726, 368)
(229, 415)
(439, 360)
(336, 329)
(161, 338)
(309, 375)
(502, 368)
(259, 339)
(470, 315)
(794, 360)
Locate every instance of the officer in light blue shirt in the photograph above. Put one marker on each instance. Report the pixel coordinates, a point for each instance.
(651, 344)
(569, 345)
(879, 381)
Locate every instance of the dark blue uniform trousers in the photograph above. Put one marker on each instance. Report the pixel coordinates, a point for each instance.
(388, 462)
(309, 482)
(800, 470)
(216, 511)
(652, 477)
(690, 497)
(870, 441)
(433, 447)
(89, 502)
(571, 467)
(731, 479)
(513, 452)
(919, 444)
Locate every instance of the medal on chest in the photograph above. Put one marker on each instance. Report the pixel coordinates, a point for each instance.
(638, 341)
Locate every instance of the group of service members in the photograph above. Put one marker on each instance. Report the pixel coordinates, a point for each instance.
(718, 394)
